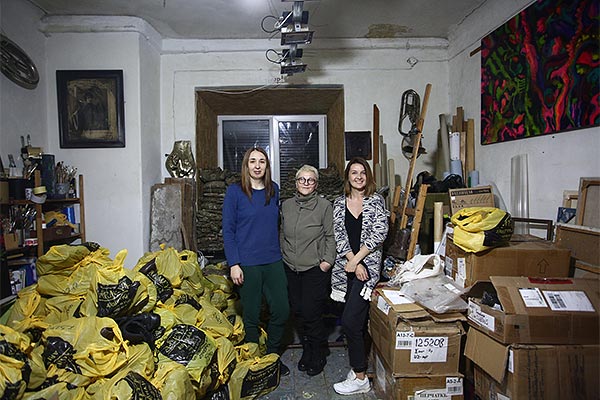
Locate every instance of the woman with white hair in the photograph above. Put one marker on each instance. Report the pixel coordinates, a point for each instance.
(308, 249)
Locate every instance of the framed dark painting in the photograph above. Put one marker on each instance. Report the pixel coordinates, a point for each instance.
(539, 72)
(90, 108)
(358, 144)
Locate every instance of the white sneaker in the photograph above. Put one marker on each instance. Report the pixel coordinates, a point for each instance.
(352, 386)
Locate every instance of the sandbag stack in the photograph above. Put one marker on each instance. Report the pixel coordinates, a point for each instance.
(210, 205)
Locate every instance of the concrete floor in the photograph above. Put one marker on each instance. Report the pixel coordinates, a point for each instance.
(299, 386)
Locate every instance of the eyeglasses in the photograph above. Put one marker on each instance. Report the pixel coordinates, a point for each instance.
(306, 181)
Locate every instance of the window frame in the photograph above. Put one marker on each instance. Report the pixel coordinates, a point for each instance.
(274, 136)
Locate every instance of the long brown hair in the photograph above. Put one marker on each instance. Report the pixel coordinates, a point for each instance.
(246, 183)
(369, 184)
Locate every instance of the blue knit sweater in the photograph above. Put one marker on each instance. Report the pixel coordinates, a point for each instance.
(250, 228)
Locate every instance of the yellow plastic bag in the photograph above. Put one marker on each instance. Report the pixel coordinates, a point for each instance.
(213, 321)
(89, 346)
(58, 391)
(61, 308)
(481, 228)
(14, 364)
(141, 360)
(125, 385)
(225, 363)
(61, 259)
(255, 377)
(78, 283)
(173, 381)
(28, 300)
(117, 291)
(189, 346)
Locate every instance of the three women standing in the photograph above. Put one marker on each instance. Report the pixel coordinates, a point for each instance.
(360, 224)
(308, 248)
(251, 241)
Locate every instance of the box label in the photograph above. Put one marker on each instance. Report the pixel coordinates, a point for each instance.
(429, 349)
(479, 317)
(454, 386)
(461, 267)
(431, 394)
(502, 397)
(532, 297)
(383, 305)
(448, 266)
(404, 340)
(511, 361)
(568, 301)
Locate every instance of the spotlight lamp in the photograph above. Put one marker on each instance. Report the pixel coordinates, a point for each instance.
(294, 29)
(293, 36)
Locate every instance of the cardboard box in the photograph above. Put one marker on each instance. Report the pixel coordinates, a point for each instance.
(535, 258)
(412, 341)
(11, 241)
(537, 310)
(583, 242)
(387, 386)
(532, 371)
(480, 196)
(57, 232)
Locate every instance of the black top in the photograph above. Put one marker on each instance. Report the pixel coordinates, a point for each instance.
(354, 229)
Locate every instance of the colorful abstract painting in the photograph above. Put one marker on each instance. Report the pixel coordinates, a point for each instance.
(540, 72)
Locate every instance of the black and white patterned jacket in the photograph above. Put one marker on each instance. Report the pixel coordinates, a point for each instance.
(373, 233)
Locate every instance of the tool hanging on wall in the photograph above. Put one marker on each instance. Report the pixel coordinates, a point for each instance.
(410, 109)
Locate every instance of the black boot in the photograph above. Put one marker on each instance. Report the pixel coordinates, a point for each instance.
(304, 361)
(318, 360)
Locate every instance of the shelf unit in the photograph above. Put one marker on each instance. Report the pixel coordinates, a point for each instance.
(44, 243)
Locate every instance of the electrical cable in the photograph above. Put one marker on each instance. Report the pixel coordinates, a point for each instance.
(276, 52)
(262, 24)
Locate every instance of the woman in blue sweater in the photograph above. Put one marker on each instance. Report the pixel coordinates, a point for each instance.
(251, 240)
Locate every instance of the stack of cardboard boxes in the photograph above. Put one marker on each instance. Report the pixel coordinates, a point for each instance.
(416, 353)
(539, 342)
(533, 332)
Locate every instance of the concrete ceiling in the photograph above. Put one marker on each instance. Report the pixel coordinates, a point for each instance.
(239, 19)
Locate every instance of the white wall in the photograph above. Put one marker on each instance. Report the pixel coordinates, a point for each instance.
(22, 111)
(113, 176)
(151, 162)
(371, 71)
(555, 162)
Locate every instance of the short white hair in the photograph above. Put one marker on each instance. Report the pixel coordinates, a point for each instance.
(308, 168)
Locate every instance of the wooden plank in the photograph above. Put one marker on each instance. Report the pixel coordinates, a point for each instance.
(396, 202)
(391, 181)
(416, 224)
(383, 162)
(463, 153)
(588, 203)
(470, 151)
(413, 159)
(375, 134)
(460, 118)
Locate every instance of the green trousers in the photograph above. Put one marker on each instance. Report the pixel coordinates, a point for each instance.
(270, 281)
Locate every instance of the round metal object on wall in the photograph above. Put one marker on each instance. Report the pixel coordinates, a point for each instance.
(16, 64)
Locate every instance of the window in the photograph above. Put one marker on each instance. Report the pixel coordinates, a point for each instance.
(290, 141)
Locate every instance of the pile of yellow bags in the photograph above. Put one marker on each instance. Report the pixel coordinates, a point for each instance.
(92, 329)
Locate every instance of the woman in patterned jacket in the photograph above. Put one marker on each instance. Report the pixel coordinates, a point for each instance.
(360, 223)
